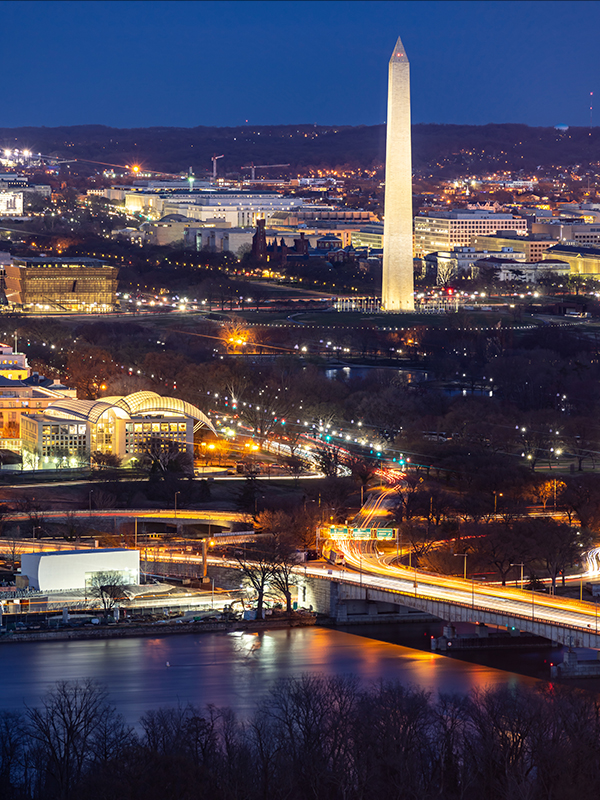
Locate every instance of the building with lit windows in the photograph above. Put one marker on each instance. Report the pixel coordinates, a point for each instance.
(70, 430)
(238, 209)
(13, 365)
(30, 394)
(44, 283)
(444, 230)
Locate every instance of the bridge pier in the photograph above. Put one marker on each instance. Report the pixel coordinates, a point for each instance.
(354, 605)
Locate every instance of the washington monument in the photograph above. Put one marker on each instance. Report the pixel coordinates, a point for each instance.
(398, 281)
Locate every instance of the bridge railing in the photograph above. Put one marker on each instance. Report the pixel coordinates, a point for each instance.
(473, 607)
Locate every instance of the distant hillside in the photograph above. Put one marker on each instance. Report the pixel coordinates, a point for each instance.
(441, 149)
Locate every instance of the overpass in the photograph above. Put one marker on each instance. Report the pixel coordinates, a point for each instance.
(399, 593)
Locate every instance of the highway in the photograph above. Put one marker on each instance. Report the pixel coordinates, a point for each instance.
(378, 572)
(368, 567)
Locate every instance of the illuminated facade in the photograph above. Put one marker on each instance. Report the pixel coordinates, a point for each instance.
(581, 260)
(22, 397)
(11, 204)
(534, 246)
(42, 284)
(448, 229)
(13, 365)
(125, 427)
(397, 291)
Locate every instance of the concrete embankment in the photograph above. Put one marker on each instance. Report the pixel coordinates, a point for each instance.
(129, 631)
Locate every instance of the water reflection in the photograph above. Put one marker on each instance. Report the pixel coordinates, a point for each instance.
(375, 373)
(227, 670)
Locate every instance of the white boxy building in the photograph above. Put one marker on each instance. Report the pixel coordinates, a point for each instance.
(74, 569)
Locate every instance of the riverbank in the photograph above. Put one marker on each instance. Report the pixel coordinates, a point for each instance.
(128, 630)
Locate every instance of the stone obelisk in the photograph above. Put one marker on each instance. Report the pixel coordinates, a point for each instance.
(397, 292)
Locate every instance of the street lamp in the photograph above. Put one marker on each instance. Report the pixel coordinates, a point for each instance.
(90, 500)
(176, 493)
(520, 564)
(465, 556)
(360, 561)
(496, 494)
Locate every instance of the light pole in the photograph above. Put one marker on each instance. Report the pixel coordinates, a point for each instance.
(465, 556)
(520, 564)
(496, 495)
(176, 493)
(360, 562)
(90, 501)
(397, 545)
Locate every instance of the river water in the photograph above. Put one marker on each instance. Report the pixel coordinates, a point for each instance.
(236, 669)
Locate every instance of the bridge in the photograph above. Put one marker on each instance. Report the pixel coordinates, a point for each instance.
(375, 585)
(399, 593)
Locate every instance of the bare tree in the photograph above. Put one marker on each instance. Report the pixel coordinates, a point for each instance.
(71, 727)
(108, 588)
(257, 567)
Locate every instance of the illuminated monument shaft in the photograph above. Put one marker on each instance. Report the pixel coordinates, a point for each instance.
(398, 281)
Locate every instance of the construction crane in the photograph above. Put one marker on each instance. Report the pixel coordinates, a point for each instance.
(254, 167)
(214, 160)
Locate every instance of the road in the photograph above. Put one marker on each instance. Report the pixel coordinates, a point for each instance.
(378, 572)
(371, 569)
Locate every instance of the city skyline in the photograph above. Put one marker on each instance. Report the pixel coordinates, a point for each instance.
(127, 64)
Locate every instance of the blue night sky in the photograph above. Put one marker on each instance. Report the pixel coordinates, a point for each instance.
(145, 63)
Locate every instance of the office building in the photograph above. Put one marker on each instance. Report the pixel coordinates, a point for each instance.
(238, 209)
(444, 230)
(533, 245)
(30, 395)
(568, 232)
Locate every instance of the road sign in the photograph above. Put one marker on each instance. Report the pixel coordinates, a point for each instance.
(361, 533)
(338, 532)
(385, 533)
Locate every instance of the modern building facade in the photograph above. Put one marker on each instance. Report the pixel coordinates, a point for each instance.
(76, 569)
(397, 292)
(70, 431)
(42, 284)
